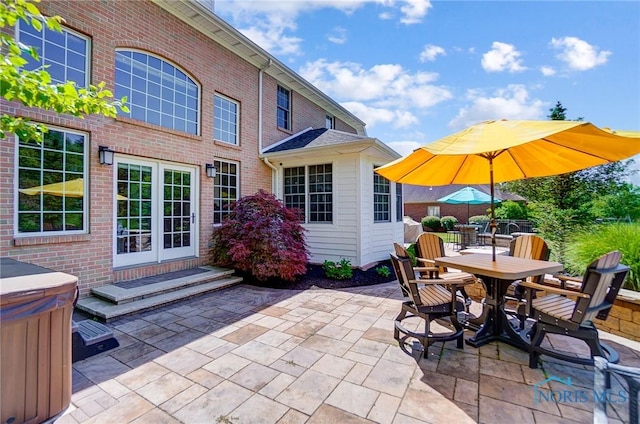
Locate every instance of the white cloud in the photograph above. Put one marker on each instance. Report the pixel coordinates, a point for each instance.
(375, 115)
(502, 57)
(385, 93)
(404, 147)
(338, 36)
(414, 11)
(547, 71)
(430, 52)
(578, 54)
(271, 23)
(385, 85)
(270, 35)
(512, 102)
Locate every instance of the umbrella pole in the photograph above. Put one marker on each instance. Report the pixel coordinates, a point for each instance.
(492, 223)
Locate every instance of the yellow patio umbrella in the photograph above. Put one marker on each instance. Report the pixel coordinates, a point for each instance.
(499, 151)
(71, 188)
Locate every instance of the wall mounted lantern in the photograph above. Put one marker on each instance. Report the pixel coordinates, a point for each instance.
(211, 170)
(105, 155)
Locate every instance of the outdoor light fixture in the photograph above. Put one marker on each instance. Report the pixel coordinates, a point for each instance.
(106, 155)
(211, 170)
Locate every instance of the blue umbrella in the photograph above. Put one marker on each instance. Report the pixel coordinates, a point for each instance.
(468, 195)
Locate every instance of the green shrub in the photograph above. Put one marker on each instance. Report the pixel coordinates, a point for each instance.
(383, 271)
(479, 220)
(431, 222)
(598, 240)
(448, 222)
(338, 271)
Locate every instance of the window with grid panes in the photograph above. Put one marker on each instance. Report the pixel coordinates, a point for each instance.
(284, 108)
(66, 53)
(225, 189)
(381, 199)
(157, 91)
(294, 189)
(320, 193)
(52, 184)
(225, 119)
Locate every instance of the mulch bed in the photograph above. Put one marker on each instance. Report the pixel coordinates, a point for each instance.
(315, 277)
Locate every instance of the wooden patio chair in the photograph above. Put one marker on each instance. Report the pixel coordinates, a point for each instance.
(429, 299)
(430, 246)
(529, 246)
(558, 313)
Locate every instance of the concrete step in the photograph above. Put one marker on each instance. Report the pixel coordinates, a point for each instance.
(107, 311)
(118, 295)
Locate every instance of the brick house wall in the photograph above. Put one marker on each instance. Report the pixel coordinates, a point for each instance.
(146, 26)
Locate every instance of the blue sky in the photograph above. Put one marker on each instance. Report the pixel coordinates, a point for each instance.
(416, 70)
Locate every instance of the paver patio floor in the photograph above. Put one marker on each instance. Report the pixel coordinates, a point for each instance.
(256, 355)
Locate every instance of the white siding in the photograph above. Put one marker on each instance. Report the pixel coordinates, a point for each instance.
(353, 235)
(377, 237)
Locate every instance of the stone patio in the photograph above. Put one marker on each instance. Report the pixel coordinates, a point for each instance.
(254, 355)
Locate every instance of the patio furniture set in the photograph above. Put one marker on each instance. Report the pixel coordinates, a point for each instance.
(433, 292)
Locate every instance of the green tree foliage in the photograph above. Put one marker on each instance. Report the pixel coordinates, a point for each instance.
(511, 210)
(35, 88)
(622, 205)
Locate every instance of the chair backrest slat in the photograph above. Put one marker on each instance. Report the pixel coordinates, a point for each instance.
(530, 247)
(430, 246)
(602, 281)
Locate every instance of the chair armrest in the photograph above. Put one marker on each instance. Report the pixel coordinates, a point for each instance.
(554, 290)
(568, 278)
(434, 272)
(441, 282)
(426, 261)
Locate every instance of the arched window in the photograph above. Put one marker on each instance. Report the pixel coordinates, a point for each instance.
(157, 92)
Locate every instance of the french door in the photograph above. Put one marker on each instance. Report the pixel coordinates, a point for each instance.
(155, 216)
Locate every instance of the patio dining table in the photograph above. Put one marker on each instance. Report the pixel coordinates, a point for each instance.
(497, 276)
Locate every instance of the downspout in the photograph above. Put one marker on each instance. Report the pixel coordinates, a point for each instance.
(274, 174)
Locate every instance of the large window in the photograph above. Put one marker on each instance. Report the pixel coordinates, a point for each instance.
(225, 119)
(284, 108)
(381, 199)
(310, 189)
(64, 53)
(157, 92)
(226, 188)
(52, 187)
(399, 202)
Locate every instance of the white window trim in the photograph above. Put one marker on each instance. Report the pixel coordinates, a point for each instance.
(389, 196)
(85, 199)
(87, 53)
(180, 68)
(289, 111)
(237, 103)
(238, 195)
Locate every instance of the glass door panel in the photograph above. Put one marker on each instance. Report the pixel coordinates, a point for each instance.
(135, 241)
(178, 215)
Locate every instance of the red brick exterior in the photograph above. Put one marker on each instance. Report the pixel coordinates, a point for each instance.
(145, 26)
(419, 210)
